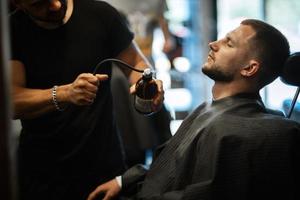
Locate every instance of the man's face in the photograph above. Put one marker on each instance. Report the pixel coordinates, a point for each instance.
(229, 54)
(51, 11)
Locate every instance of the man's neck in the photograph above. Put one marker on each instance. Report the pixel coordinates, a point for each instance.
(222, 90)
(49, 25)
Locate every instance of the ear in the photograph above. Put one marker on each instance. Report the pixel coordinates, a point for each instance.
(251, 69)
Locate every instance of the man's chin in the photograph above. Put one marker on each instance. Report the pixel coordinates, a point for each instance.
(51, 19)
(205, 70)
(55, 18)
(206, 66)
(217, 75)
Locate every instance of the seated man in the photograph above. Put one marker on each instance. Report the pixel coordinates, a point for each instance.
(230, 148)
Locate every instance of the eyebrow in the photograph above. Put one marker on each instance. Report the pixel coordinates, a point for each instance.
(228, 37)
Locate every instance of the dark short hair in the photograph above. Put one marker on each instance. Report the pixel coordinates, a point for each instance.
(270, 47)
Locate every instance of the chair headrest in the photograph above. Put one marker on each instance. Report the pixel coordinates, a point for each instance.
(291, 70)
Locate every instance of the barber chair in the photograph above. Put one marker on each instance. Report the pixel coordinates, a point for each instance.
(291, 76)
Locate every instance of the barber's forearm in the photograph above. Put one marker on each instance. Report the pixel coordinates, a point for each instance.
(135, 76)
(134, 57)
(119, 181)
(31, 103)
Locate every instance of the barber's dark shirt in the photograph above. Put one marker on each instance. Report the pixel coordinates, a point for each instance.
(81, 141)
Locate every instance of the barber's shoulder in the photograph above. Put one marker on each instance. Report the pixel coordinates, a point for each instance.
(100, 8)
(101, 4)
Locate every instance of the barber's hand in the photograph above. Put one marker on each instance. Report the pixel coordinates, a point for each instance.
(110, 189)
(84, 89)
(158, 99)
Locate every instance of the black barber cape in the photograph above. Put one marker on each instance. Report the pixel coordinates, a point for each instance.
(228, 149)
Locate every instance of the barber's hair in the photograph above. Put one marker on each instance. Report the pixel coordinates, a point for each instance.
(270, 47)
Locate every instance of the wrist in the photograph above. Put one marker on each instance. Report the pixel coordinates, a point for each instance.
(62, 97)
(55, 99)
(119, 181)
(63, 94)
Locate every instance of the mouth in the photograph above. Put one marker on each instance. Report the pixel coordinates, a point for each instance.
(210, 56)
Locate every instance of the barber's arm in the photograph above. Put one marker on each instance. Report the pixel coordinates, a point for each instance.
(30, 103)
(134, 57)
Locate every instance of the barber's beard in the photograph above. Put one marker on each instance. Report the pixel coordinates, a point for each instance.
(47, 20)
(51, 17)
(216, 74)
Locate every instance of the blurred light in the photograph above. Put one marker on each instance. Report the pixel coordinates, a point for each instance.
(165, 78)
(182, 64)
(174, 125)
(277, 92)
(177, 10)
(179, 99)
(162, 64)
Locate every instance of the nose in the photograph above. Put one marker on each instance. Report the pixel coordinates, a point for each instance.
(54, 5)
(213, 45)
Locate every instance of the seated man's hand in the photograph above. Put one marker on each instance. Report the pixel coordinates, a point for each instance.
(110, 190)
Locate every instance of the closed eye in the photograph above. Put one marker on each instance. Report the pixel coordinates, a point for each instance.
(229, 41)
(229, 44)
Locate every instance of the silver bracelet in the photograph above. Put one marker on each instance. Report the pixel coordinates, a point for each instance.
(54, 100)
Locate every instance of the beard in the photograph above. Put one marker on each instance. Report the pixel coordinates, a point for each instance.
(215, 73)
(52, 17)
